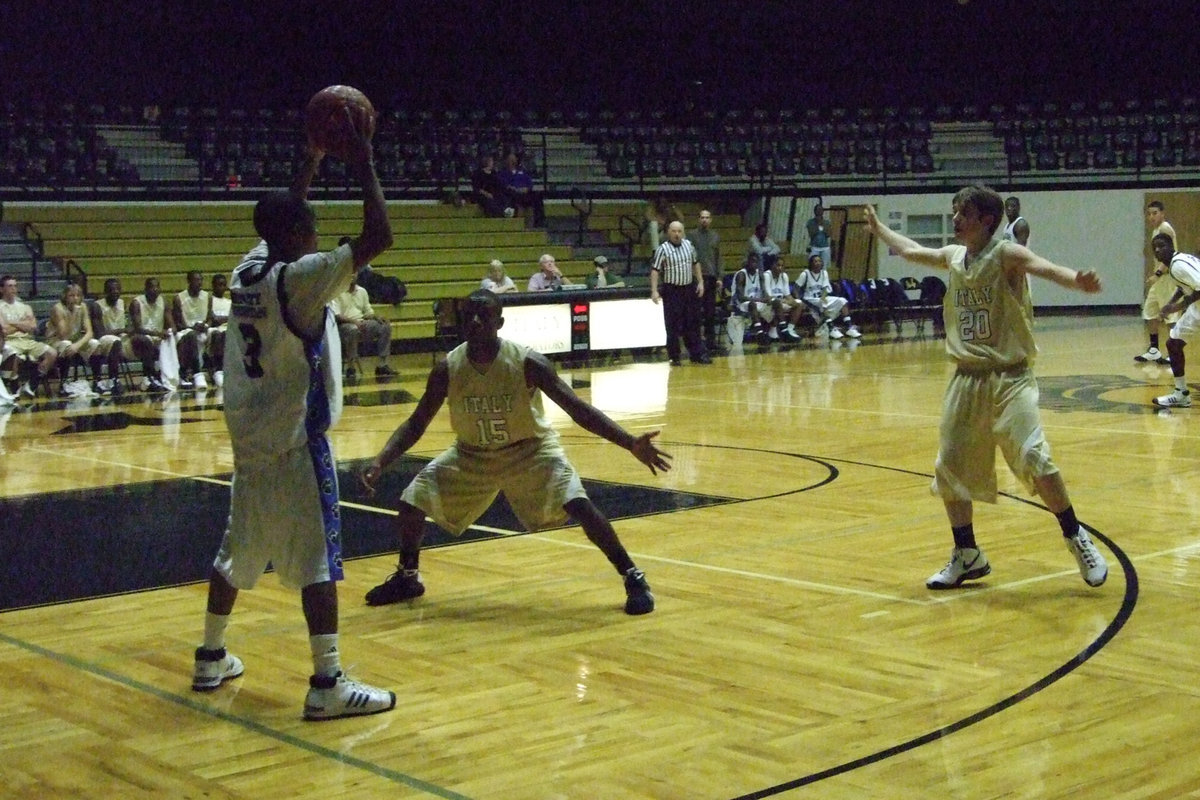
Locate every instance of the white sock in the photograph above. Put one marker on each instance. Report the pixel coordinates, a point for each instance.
(1181, 384)
(326, 659)
(214, 630)
(791, 328)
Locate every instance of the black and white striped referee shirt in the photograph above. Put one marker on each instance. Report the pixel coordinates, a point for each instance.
(674, 263)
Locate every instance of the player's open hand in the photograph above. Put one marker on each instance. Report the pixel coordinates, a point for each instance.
(1088, 281)
(361, 125)
(369, 477)
(870, 218)
(643, 450)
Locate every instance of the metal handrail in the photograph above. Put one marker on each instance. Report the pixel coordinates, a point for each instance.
(639, 226)
(32, 239)
(68, 265)
(583, 205)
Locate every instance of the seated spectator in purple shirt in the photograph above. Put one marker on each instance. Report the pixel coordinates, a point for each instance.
(548, 277)
(489, 192)
(520, 188)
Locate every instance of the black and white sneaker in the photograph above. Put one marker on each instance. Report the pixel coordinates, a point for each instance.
(399, 586)
(638, 599)
(214, 667)
(965, 564)
(339, 696)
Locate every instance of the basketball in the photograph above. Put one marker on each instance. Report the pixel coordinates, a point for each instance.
(325, 120)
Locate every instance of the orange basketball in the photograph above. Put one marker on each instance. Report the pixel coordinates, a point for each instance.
(325, 120)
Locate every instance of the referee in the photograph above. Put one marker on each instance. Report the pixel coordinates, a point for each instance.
(676, 271)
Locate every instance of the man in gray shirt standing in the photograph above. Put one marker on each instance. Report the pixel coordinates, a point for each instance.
(707, 243)
(819, 241)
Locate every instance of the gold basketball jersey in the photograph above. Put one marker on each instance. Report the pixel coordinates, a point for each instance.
(989, 320)
(495, 408)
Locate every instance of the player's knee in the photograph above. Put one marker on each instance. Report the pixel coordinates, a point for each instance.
(408, 515)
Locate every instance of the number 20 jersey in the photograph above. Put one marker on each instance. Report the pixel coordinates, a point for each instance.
(989, 322)
(282, 388)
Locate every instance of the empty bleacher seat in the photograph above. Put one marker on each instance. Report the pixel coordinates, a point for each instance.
(1046, 160)
(1104, 158)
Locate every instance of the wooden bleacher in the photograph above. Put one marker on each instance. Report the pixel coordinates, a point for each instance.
(439, 250)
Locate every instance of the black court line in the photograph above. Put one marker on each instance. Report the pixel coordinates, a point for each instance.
(80, 544)
(1128, 604)
(192, 704)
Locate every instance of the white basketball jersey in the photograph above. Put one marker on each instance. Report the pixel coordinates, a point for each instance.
(1185, 270)
(752, 285)
(493, 409)
(813, 286)
(1009, 234)
(776, 286)
(282, 389)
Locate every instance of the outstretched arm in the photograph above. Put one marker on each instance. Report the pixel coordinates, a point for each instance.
(376, 235)
(413, 428)
(906, 248)
(1025, 261)
(539, 373)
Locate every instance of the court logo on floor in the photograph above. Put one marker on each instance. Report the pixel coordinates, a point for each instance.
(1114, 394)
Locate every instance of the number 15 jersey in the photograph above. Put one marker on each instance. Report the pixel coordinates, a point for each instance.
(283, 358)
(492, 409)
(989, 321)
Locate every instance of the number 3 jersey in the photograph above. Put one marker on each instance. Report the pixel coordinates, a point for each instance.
(492, 409)
(283, 358)
(989, 321)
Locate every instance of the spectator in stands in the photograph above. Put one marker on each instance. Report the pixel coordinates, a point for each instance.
(748, 298)
(599, 278)
(676, 271)
(1162, 287)
(496, 281)
(489, 192)
(20, 328)
(189, 309)
(820, 242)
(149, 318)
(813, 288)
(519, 184)
(70, 331)
(1017, 229)
(219, 306)
(359, 327)
(547, 277)
(761, 244)
(708, 250)
(1185, 271)
(785, 308)
(659, 214)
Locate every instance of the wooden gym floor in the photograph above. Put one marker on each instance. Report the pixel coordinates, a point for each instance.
(794, 652)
